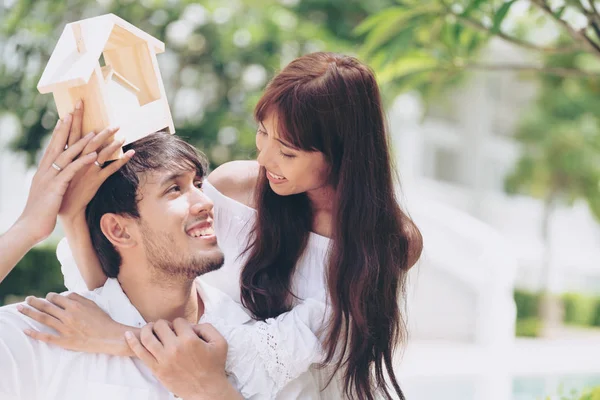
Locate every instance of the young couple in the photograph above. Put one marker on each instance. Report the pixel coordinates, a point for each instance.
(304, 287)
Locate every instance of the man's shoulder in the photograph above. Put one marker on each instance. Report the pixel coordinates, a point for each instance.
(12, 320)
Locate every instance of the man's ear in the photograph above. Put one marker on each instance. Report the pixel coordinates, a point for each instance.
(118, 230)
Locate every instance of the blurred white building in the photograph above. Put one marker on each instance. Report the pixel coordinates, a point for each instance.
(459, 156)
(480, 244)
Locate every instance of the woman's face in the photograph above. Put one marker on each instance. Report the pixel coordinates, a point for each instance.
(289, 170)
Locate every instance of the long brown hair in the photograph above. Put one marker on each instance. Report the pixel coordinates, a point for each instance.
(331, 103)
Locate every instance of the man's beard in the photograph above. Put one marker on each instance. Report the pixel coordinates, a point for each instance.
(162, 254)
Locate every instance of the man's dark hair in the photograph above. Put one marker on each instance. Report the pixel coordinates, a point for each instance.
(119, 193)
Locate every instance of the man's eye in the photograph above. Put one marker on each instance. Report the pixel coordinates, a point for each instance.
(198, 184)
(173, 189)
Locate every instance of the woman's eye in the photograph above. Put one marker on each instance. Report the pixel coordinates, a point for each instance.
(173, 189)
(261, 132)
(286, 155)
(198, 184)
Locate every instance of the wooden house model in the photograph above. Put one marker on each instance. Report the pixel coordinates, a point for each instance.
(112, 66)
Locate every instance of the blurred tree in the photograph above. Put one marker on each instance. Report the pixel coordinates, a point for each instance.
(429, 44)
(561, 159)
(426, 43)
(219, 58)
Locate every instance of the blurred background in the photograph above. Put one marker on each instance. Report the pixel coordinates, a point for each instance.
(493, 109)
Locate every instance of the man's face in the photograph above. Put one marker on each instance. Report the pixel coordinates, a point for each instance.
(176, 224)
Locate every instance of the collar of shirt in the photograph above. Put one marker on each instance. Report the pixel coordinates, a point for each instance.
(216, 303)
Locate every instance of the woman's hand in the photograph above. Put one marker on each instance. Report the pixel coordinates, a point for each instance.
(189, 360)
(81, 325)
(86, 182)
(51, 180)
(57, 168)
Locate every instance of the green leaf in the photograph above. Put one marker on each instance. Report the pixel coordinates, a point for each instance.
(500, 15)
(473, 5)
(558, 13)
(416, 62)
(381, 25)
(386, 31)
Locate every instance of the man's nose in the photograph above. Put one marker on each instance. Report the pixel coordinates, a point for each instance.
(200, 203)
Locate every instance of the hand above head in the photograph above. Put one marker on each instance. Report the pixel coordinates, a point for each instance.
(187, 359)
(51, 180)
(86, 182)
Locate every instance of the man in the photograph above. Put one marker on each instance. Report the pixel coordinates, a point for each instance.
(152, 228)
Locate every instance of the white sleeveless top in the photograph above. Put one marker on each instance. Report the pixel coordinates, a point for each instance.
(233, 222)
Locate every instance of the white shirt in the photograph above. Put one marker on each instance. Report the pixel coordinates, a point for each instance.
(287, 337)
(33, 370)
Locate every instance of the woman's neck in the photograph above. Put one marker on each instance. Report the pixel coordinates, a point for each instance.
(321, 201)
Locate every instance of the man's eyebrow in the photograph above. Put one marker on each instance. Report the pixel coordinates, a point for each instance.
(174, 176)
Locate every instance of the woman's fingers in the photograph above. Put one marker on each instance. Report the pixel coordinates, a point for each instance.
(57, 142)
(60, 301)
(41, 317)
(183, 328)
(140, 351)
(65, 158)
(44, 337)
(163, 330)
(209, 334)
(109, 150)
(77, 123)
(150, 341)
(73, 168)
(114, 166)
(100, 140)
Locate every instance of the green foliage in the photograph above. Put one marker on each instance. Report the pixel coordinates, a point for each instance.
(500, 15)
(589, 394)
(527, 303)
(451, 34)
(580, 309)
(36, 274)
(596, 319)
(561, 141)
(219, 57)
(528, 327)
(528, 324)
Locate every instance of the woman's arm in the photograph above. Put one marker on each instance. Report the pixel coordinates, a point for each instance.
(50, 182)
(81, 255)
(266, 355)
(72, 212)
(13, 245)
(81, 325)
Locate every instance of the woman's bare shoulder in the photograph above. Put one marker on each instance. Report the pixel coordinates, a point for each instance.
(236, 180)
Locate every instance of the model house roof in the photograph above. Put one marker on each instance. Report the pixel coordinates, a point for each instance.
(81, 45)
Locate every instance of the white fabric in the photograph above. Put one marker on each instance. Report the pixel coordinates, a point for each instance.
(34, 370)
(233, 222)
(284, 345)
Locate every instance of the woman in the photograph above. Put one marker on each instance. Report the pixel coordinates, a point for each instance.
(316, 217)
